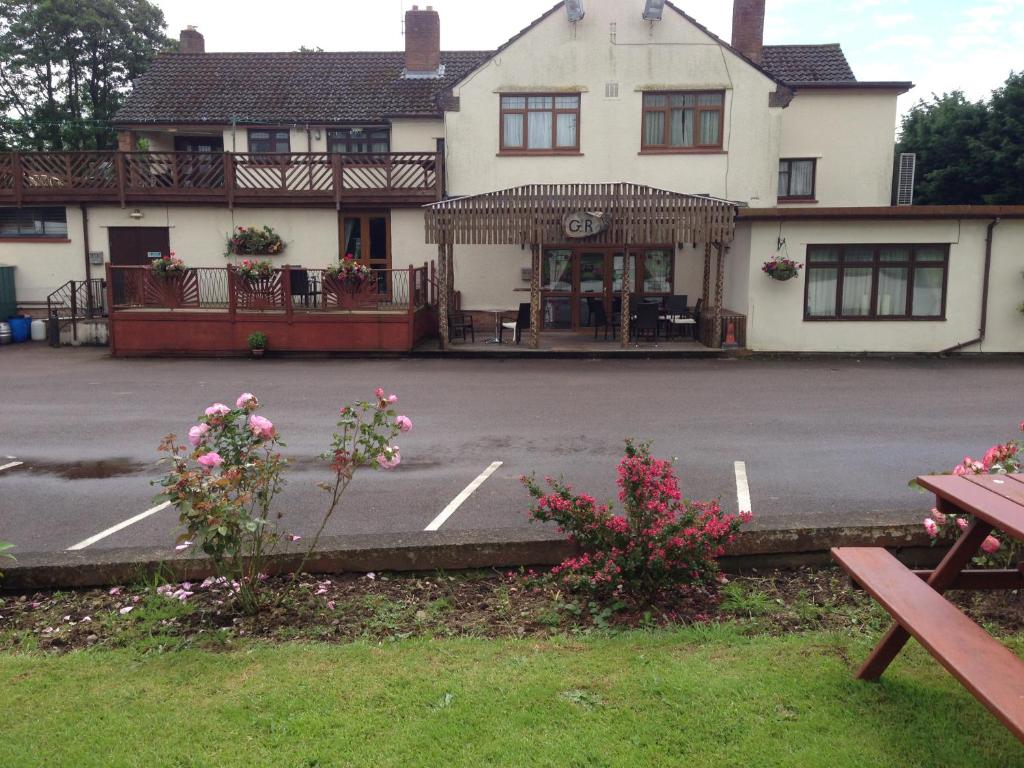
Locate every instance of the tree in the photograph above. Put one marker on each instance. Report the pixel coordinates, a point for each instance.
(968, 153)
(67, 65)
(1005, 142)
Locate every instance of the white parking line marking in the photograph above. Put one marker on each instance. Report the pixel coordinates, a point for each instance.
(119, 527)
(12, 465)
(742, 488)
(448, 511)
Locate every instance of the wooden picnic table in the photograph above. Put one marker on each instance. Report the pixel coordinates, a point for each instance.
(991, 672)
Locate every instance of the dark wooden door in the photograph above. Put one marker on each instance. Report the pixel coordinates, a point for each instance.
(135, 247)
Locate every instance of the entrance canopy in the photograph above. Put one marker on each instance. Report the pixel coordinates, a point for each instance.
(535, 213)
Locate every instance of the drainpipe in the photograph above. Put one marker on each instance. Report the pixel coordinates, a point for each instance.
(984, 292)
(85, 240)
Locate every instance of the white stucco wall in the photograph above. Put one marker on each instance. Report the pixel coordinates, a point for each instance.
(851, 134)
(416, 135)
(670, 55)
(775, 309)
(42, 267)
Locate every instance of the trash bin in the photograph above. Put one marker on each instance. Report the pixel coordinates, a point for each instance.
(20, 328)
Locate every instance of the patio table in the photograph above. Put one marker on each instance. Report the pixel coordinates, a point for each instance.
(991, 672)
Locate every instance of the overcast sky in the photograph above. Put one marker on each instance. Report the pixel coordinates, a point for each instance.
(941, 45)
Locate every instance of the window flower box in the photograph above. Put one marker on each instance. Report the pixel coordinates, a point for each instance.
(254, 241)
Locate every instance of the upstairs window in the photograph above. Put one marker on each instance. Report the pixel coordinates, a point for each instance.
(797, 179)
(34, 222)
(358, 140)
(683, 121)
(265, 142)
(876, 282)
(543, 124)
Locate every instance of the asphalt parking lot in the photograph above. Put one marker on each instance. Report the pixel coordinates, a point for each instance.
(802, 442)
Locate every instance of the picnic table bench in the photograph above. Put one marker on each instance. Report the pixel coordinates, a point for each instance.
(991, 672)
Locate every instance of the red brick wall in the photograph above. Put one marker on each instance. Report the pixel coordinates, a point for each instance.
(422, 40)
(748, 28)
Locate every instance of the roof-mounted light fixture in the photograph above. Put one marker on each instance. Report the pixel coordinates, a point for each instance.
(574, 8)
(653, 9)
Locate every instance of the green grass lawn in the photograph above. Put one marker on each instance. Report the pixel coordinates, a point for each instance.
(704, 696)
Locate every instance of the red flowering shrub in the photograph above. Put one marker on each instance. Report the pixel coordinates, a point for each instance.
(661, 541)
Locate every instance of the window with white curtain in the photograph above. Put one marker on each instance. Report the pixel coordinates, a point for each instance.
(876, 282)
(682, 121)
(797, 178)
(540, 123)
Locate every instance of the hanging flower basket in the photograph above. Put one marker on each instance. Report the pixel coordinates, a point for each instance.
(168, 266)
(254, 241)
(781, 269)
(349, 275)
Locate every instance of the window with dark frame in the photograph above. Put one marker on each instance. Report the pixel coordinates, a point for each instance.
(876, 282)
(367, 238)
(797, 178)
(269, 141)
(34, 222)
(683, 120)
(359, 140)
(540, 123)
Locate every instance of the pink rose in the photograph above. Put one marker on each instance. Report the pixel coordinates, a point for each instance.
(959, 470)
(961, 523)
(392, 399)
(379, 392)
(938, 517)
(197, 433)
(390, 458)
(404, 423)
(931, 528)
(217, 409)
(990, 545)
(247, 400)
(210, 460)
(261, 427)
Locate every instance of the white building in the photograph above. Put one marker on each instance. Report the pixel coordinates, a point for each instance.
(340, 152)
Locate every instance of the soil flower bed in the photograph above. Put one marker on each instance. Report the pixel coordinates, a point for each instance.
(385, 607)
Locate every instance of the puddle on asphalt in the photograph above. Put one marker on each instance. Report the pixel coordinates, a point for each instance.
(98, 469)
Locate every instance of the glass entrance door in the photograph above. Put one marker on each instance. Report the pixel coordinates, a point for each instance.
(573, 280)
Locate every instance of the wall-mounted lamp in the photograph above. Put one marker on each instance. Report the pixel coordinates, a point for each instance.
(574, 8)
(653, 10)
(136, 214)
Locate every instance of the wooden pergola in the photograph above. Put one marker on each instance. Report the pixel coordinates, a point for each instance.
(533, 215)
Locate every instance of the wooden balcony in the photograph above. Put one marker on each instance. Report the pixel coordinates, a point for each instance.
(307, 179)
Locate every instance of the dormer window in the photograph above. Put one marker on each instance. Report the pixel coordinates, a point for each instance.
(359, 140)
(543, 124)
(683, 121)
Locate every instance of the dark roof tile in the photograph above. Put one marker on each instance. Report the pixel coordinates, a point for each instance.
(288, 88)
(808, 63)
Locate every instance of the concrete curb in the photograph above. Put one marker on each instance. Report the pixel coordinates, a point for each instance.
(441, 550)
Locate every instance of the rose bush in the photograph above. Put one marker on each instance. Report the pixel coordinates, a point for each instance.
(224, 485)
(1000, 459)
(661, 542)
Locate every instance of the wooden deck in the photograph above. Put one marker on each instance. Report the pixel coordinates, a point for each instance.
(569, 344)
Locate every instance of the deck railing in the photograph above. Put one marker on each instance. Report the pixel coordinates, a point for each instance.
(288, 289)
(139, 177)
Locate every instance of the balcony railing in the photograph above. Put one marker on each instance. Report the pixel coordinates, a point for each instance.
(233, 178)
(292, 290)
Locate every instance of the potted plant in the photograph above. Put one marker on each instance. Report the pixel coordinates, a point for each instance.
(257, 343)
(780, 268)
(254, 241)
(254, 271)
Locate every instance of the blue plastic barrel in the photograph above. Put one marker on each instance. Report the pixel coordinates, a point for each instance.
(21, 328)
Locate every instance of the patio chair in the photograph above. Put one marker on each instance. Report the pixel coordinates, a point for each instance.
(647, 321)
(517, 326)
(599, 319)
(459, 323)
(300, 284)
(677, 318)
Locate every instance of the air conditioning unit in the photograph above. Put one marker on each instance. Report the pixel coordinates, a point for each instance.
(905, 179)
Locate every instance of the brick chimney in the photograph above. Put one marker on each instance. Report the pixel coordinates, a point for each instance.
(191, 41)
(748, 28)
(422, 40)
